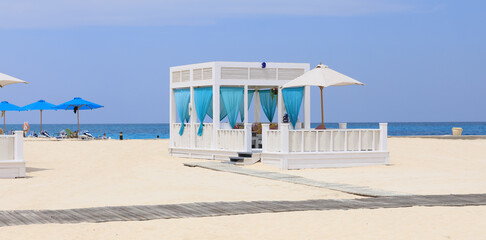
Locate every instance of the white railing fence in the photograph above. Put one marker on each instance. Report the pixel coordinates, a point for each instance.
(332, 140)
(235, 139)
(221, 139)
(231, 139)
(206, 139)
(180, 141)
(12, 147)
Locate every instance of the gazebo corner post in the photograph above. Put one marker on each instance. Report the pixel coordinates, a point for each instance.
(172, 116)
(245, 105)
(216, 115)
(256, 105)
(307, 107)
(280, 108)
(193, 120)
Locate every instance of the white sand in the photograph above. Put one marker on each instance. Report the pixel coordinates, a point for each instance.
(72, 174)
(418, 166)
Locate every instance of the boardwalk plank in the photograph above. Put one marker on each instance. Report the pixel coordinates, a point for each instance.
(209, 209)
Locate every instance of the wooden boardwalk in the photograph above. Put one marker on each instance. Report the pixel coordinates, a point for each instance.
(346, 188)
(212, 209)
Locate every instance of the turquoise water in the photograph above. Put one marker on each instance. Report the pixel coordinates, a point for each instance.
(150, 131)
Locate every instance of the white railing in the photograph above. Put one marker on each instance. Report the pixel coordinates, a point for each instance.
(231, 139)
(206, 139)
(12, 147)
(180, 141)
(332, 140)
(189, 138)
(271, 141)
(225, 139)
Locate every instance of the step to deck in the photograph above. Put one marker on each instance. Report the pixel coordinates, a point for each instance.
(237, 159)
(245, 154)
(244, 158)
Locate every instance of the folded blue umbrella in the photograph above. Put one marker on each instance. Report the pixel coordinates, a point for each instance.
(40, 105)
(78, 104)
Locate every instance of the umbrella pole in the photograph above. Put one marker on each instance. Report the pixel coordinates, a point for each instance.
(78, 121)
(41, 119)
(4, 122)
(322, 110)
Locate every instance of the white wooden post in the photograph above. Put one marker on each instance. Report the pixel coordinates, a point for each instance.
(343, 125)
(256, 97)
(307, 108)
(265, 128)
(245, 104)
(172, 116)
(383, 137)
(280, 108)
(248, 137)
(19, 146)
(216, 113)
(192, 129)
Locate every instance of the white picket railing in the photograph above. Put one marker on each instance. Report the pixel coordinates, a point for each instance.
(180, 141)
(271, 141)
(11, 147)
(231, 139)
(332, 140)
(206, 139)
(227, 139)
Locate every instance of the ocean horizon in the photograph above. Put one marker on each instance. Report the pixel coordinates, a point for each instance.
(152, 130)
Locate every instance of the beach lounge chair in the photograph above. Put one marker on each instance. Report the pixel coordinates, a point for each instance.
(62, 135)
(85, 135)
(71, 134)
(44, 133)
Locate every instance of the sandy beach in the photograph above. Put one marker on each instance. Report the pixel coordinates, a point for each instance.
(78, 174)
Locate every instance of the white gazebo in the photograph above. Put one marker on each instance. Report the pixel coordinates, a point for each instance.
(228, 89)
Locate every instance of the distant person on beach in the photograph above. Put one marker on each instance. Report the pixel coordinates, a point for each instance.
(104, 136)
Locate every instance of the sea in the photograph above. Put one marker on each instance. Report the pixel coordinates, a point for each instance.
(161, 130)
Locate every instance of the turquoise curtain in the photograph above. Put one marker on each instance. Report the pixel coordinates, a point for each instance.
(269, 103)
(182, 97)
(242, 104)
(293, 99)
(202, 99)
(222, 111)
(232, 98)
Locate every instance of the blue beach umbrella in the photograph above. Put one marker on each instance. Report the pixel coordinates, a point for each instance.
(40, 105)
(78, 104)
(5, 106)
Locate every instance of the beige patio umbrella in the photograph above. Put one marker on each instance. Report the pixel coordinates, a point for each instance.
(6, 80)
(322, 76)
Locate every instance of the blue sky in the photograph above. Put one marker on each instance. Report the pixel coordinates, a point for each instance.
(420, 60)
